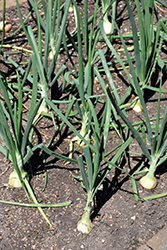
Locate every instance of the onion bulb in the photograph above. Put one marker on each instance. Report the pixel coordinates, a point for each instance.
(43, 109)
(148, 181)
(14, 180)
(107, 26)
(85, 225)
(136, 106)
(71, 8)
(52, 54)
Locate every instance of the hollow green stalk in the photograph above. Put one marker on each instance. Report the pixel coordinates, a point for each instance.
(43, 109)
(2, 28)
(83, 132)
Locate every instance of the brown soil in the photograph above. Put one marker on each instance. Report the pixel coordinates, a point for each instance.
(119, 221)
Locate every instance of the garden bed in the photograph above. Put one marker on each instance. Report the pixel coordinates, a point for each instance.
(119, 221)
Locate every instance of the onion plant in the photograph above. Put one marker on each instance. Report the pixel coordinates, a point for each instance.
(17, 146)
(93, 134)
(17, 142)
(147, 47)
(93, 156)
(53, 27)
(17, 139)
(90, 164)
(157, 138)
(92, 175)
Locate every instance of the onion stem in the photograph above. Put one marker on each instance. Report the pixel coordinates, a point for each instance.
(43, 109)
(107, 26)
(53, 48)
(76, 139)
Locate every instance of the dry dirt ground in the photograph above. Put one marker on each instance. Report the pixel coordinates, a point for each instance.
(119, 221)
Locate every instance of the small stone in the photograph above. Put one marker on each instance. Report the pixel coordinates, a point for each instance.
(133, 217)
(8, 27)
